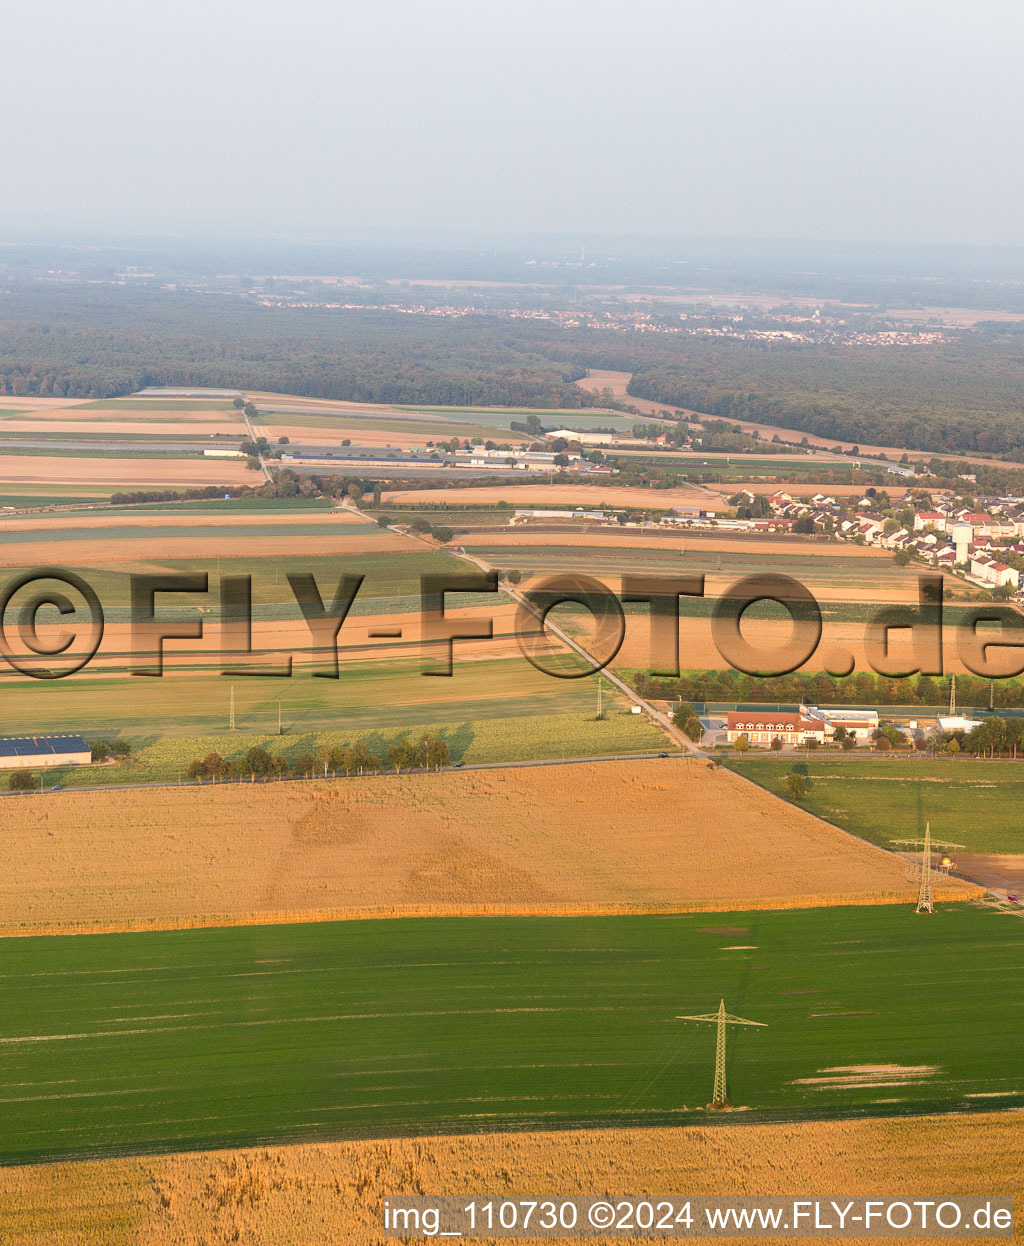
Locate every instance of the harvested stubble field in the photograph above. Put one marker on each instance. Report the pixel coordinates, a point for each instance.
(591, 497)
(292, 1033)
(133, 473)
(126, 518)
(318, 1194)
(330, 540)
(627, 836)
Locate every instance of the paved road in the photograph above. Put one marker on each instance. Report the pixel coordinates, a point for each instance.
(672, 731)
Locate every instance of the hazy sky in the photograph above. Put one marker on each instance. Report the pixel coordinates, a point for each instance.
(869, 121)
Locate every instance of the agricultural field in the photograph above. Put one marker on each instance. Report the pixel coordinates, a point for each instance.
(333, 1191)
(233, 1036)
(617, 836)
(555, 493)
(974, 803)
(55, 471)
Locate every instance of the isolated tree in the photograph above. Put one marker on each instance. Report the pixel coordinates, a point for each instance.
(21, 781)
(238, 403)
(100, 750)
(840, 734)
(796, 786)
(692, 728)
(284, 441)
(776, 744)
(442, 535)
(849, 742)
(514, 577)
(883, 744)
(741, 744)
(812, 743)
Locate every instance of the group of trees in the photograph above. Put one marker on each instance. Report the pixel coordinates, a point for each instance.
(863, 688)
(957, 397)
(429, 752)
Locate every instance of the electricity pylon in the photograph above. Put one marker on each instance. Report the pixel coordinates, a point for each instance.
(924, 893)
(719, 1096)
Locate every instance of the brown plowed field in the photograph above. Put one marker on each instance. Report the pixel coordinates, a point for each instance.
(115, 518)
(28, 553)
(603, 837)
(124, 473)
(327, 1193)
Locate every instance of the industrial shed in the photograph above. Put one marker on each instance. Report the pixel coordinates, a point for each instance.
(32, 752)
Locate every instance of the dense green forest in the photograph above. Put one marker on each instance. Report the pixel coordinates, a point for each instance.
(99, 341)
(961, 397)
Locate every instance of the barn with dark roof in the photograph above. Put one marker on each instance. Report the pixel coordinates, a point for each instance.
(34, 752)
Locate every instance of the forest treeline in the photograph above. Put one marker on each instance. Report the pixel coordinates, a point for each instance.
(965, 396)
(960, 397)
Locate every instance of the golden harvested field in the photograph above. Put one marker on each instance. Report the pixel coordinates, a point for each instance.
(601, 837)
(124, 473)
(807, 489)
(591, 497)
(326, 1193)
(171, 518)
(125, 428)
(210, 546)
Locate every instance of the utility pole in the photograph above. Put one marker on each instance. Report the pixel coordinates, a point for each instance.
(952, 695)
(600, 702)
(925, 903)
(279, 732)
(231, 711)
(722, 1019)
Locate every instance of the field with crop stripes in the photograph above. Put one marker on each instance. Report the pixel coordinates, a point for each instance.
(201, 1038)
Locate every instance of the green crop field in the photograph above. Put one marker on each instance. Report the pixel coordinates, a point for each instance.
(369, 694)
(975, 803)
(122, 1043)
(519, 737)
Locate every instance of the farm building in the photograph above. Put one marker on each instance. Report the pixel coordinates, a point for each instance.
(761, 728)
(31, 752)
